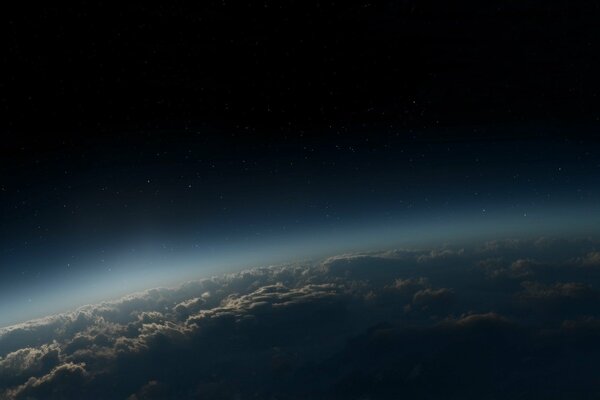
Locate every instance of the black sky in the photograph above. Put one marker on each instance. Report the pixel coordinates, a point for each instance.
(289, 65)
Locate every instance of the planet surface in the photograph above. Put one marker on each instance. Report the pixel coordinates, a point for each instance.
(510, 318)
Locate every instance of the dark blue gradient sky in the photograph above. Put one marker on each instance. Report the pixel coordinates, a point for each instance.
(99, 222)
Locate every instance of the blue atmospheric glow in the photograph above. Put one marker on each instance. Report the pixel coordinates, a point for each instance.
(155, 265)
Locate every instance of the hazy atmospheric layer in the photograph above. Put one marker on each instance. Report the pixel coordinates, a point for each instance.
(99, 275)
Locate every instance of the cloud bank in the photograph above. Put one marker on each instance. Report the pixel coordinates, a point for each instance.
(507, 319)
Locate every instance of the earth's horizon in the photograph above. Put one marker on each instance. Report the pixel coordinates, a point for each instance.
(501, 319)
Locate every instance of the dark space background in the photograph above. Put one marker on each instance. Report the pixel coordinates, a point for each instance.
(137, 138)
(289, 65)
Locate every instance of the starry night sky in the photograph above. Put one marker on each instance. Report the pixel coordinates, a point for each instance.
(141, 138)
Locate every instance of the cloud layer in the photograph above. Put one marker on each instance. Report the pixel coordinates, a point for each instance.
(507, 319)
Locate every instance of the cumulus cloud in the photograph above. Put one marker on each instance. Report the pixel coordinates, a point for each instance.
(431, 300)
(591, 259)
(66, 380)
(403, 323)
